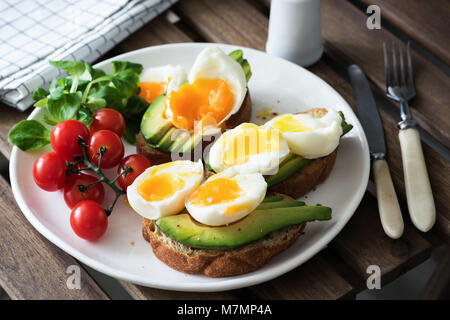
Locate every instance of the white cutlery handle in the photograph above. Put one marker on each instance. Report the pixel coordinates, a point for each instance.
(417, 184)
(390, 213)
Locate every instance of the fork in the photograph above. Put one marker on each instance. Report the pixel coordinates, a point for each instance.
(417, 183)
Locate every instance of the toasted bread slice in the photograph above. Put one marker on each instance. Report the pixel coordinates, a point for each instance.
(157, 157)
(307, 178)
(219, 263)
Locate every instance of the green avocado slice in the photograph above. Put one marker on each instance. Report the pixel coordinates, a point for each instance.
(256, 225)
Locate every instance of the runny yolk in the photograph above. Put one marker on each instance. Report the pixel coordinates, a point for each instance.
(219, 190)
(205, 100)
(251, 141)
(152, 90)
(290, 124)
(160, 186)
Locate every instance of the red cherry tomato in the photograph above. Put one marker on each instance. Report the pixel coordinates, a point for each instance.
(49, 171)
(108, 119)
(114, 148)
(88, 220)
(137, 163)
(72, 194)
(64, 138)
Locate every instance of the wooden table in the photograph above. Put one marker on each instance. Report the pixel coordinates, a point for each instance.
(32, 267)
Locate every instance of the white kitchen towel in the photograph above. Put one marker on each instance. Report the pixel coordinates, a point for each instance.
(33, 32)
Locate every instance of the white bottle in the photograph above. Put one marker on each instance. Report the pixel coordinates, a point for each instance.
(295, 31)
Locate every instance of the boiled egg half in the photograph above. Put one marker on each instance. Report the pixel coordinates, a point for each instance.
(161, 190)
(226, 197)
(216, 89)
(312, 134)
(249, 147)
(158, 80)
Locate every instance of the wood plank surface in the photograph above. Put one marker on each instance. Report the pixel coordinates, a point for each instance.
(352, 42)
(426, 22)
(31, 267)
(362, 243)
(314, 280)
(438, 167)
(211, 20)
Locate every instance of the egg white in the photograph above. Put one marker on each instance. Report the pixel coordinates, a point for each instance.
(213, 63)
(173, 75)
(265, 163)
(192, 175)
(253, 188)
(320, 141)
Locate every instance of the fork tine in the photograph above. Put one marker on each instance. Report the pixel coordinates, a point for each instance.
(394, 65)
(386, 66)
(402, 68)
(410, 69)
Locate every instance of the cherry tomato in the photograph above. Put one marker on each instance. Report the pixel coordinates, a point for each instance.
(64, 138)
(72, 194)
(137, 163)
(114, 148)
(108, 119)
(49, 171)
(88, 220)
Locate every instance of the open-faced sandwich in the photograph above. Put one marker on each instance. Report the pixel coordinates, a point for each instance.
(224, 226)
(295, 152)
(184, 109)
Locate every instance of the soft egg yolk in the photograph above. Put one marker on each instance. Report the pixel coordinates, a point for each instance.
(152, 90)
(160, 186)
(205, 101)
(251, 141)
(290, 124)
(219, 190)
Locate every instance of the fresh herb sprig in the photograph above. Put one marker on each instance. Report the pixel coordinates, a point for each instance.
(83, 163)
(77, 96)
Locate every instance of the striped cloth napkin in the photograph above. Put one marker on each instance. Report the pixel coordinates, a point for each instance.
(33, 32)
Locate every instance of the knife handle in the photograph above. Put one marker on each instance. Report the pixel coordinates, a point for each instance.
(417, 184)
(388, 207)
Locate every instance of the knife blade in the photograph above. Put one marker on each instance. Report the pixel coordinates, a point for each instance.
(367, 111)
(388, 207)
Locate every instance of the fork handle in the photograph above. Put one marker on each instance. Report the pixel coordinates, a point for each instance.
(417, 184)
(388, 207)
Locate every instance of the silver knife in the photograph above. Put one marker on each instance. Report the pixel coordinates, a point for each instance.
(388, 207)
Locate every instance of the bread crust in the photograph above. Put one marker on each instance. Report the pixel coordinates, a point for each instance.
(219, 263)
(158, 157)
(307, 178)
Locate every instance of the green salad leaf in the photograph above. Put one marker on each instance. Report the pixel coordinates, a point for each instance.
(29, 135)
(84, 91)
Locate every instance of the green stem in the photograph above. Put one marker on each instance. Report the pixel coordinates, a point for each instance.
(88, 87)
(98, 171)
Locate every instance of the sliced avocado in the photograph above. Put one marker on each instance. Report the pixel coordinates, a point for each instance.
(179, 140)
(272, 199)
(166, 141)
(208, 165)
(238, 56)
(256, 225)
(190, 143)
(287, 169)
(280, 204)
(153, 125)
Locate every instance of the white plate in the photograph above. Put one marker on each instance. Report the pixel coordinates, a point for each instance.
(275, 83)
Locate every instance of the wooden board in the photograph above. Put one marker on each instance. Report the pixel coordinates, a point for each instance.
(210, 19)
(362, 243)
(438, 167)
(426, 22)
(314, 280)
(352, 42)
(32, 267)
